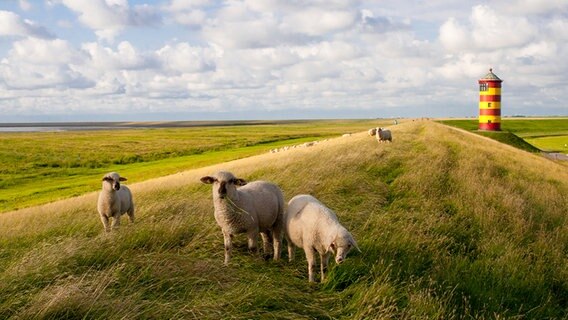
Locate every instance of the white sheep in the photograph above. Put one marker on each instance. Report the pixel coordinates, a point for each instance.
(383, 135)
(310, 225)
(372, 132)
(114, 201)
(253, 208)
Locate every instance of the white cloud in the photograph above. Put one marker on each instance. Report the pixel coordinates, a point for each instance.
(492, 30)
(253, 33)
(181, 5)
(531, 7)
(558, 28)
(126, 57)
(318, 22)
(183, 58)
(108, 18)
(454, 37)
(187, 12)
(12, 25)
(487, 30)
(38, 63)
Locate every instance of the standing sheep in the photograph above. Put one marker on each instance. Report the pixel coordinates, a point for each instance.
(114, 201)
(383, 135)
(256, 207)
(310, 225)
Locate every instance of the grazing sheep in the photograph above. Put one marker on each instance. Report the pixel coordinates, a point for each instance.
(383, 135)
(310, 225)
(256, 207)
(114, 201)
(372, 132)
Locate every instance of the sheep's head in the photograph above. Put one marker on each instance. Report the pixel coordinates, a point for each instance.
(224, 184)
(111, 181)
(342, 244)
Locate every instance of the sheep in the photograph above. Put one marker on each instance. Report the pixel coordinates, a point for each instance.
(256, 207)
(372, 132)
(310, 225)
(383, 135)
(114, 201)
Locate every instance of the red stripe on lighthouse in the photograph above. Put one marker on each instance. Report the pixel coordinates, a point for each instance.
(491, 84)
(490, 126)
(489, 112)
(489, 98)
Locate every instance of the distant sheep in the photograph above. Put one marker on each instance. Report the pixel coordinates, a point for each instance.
(254, 208)
(310, 225)
(303, 145)
(114, 201)
(372, 132)
(383, 135)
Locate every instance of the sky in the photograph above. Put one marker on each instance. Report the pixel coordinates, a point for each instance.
(140, 60)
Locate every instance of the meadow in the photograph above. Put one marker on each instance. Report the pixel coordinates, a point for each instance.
(546, 135)
(39, 167)
(451, 225)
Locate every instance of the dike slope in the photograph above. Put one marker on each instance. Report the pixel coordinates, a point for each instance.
(450, 225)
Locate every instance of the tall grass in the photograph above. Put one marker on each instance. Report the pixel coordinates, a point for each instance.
(451, 226)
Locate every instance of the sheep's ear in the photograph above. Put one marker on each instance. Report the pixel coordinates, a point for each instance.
(240, 182)
(331, 247)
(355, 245)
(208, 180)
(122, 179)
(107, 179)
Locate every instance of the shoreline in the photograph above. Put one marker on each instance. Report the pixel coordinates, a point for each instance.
(121, 125)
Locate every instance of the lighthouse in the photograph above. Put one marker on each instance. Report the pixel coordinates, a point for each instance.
(490, 102)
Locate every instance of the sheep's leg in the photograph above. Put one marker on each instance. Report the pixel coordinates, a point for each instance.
(324, 259)
(311, 257)
(130, 213)
(116, 221)
(104, 220)
(265, 244)
(291, 249)
(228, 240)
(277, 243)
(253, 241)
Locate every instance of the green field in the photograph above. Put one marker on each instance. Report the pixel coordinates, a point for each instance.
(450, 225)
(547, 135)
(36, 168)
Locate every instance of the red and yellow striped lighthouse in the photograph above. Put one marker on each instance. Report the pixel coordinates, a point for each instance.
(490, 102)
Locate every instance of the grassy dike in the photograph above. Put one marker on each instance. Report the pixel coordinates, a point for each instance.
(533, 135)
(451, 226)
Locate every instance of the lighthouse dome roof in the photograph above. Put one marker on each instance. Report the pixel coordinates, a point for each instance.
(491, 76)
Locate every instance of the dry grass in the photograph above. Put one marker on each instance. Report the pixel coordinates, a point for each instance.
(451, 226)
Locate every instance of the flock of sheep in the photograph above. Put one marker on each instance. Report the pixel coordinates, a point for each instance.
(256, 208)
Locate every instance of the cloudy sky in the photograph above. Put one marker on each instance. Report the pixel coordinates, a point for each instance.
(78, 60)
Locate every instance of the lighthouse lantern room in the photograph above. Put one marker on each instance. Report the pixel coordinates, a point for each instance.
(490, 102)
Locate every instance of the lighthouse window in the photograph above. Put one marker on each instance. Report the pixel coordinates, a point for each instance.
(483, 87)
(489, 105)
